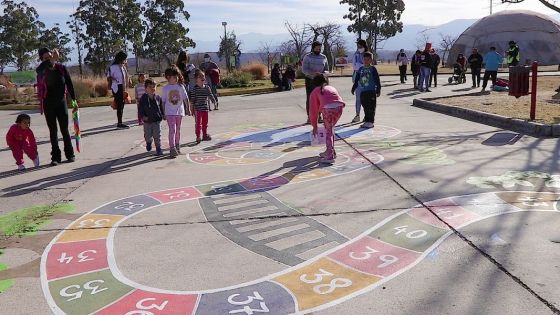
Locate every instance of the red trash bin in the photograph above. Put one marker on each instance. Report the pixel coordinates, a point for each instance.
(519, 80)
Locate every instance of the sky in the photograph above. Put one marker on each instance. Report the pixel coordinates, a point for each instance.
(268, 16)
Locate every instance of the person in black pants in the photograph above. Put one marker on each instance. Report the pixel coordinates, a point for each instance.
(475, 62)
(117, 78)
(435, 65)
(53, 81)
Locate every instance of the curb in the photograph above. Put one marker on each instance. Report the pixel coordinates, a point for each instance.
(513, 124)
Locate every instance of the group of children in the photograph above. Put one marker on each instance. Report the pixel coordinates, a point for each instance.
(173, 104)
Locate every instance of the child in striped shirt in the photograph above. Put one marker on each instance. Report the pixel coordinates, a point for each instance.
(199, 96)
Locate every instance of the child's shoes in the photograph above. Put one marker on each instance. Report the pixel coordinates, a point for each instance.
(198, 140)
(206, 138)
(36, 161)
(178, 149)
(159, 152)
(21, 167)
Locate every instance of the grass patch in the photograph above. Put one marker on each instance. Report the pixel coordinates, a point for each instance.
(27, 221)
(5, 284)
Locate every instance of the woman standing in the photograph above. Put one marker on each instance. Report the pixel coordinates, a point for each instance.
(117, 77)
(357, 64)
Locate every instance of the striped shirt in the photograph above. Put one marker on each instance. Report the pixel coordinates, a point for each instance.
(199, 97)
(314, 64)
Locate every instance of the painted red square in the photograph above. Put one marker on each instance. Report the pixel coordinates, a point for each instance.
(263, 182)
(66, 259)
(204, 158)
(448, 211)
(178, 194)
(374, 257)
(143, 302)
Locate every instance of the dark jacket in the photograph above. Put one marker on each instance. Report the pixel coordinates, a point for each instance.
(426, 59)
(151, 108)
(290, 74)
(475, 61)
(435, 61)
(275, 76)
(55, 80)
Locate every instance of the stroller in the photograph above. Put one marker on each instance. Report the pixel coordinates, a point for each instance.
(458, 74)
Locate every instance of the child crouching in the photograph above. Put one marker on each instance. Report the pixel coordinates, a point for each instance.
(21, 140)
(150, 108)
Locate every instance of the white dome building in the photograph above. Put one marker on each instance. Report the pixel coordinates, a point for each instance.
(537, 35)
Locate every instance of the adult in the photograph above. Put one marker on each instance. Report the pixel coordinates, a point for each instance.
(53, 82)
(425, 68)
(475, 63)
(435, 66)
(182, 63)
(357, 63)
(212, 72)
(314, 63)
(288, 78)
(117, 78)
(402, 62)
(492, 61)
(415, 68)
(512, 55)
(276, 76)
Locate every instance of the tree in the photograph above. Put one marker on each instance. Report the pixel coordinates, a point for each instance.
(379, 19)
(19, 30)
(55, 38)
(129, 26)
(229, 46)
(75, 25)
(547, 3)
(421, 42)
(165, 32)
(331, 37)
(300, 39)
(6, 57)
(99, 37)
(268, 54)
(445, 44)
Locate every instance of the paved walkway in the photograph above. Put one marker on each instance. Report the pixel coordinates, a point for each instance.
(426, 214)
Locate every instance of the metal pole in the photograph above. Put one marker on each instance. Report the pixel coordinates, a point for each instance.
(490, 7)
(534, 69)
(226, 45)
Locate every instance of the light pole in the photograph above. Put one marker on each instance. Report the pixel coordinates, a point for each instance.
(224, 24)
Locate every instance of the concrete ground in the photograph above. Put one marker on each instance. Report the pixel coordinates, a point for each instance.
(426, 214)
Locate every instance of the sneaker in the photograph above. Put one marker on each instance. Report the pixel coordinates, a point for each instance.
(149, 146)
(356, 119)
(428, 90)
(482, 90)
(71, 159)
(178, 149)
(326, 161)
(54, 163)
(421, 90)
(198, 140)
(323, 154)
(159, 151)
(21, 167)
(367, 125)
(206, 138)
(172, 153)
(122, 126)
(36, 162)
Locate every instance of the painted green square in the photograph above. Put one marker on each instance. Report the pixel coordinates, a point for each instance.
(406, 232)
(107, 290)
(220, 188)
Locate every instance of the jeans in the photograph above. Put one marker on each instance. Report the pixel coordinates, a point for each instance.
(57, 110)
(424, 80)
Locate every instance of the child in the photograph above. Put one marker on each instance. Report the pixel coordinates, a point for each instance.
(139, 91)
(150, 109)
(21, 140)
(199, 95)
(370, 85)
(175, 100)
(326, 100)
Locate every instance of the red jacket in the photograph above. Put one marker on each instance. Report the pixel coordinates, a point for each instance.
(17, 134)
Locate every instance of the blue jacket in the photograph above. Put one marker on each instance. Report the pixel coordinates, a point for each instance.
(368, 79)
(492, 61)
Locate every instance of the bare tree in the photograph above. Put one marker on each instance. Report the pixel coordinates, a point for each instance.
(445, 44)
(300, 38)
(330, 34)
(422, 40)
(267, 54)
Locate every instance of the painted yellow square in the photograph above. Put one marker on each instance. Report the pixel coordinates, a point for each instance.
(89, 227)
(343, 282)
(314, 174)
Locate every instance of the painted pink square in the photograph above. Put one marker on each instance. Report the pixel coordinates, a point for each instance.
(143, 302)
(374, 257)
(204, 158)
(263, 182)
(66, 259)
(178, 194)
(448, 211)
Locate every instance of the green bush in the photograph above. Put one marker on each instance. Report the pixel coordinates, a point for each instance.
(237, 80)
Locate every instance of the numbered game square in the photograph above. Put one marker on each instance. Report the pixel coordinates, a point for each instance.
(174, 195)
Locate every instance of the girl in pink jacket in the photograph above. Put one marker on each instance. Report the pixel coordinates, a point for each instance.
(326, 100)
(21, 140)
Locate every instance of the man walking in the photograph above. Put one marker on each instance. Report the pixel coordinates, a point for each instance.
(435, 65)
(53, 81)
(492, 61)
(314, 63)
(475, 61)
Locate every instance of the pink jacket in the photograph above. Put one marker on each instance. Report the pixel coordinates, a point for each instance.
(317, 101)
